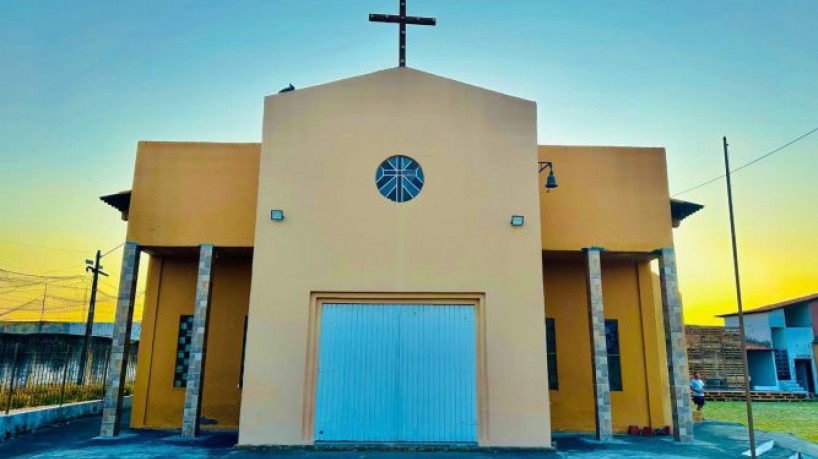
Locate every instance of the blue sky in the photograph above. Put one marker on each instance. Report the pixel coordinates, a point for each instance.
(82, 82)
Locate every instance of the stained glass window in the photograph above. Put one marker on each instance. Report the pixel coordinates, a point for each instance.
(399, 178)
(183, 351)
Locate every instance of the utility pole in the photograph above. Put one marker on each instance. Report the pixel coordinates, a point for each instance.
(747, 397)
(95, 268)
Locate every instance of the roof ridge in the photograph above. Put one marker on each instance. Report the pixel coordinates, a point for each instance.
(774, 306)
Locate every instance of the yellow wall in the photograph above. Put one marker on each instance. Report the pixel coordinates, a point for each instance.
(611, 197)
(628, 299)
(320, 151)
(190, 193)
(170, 292)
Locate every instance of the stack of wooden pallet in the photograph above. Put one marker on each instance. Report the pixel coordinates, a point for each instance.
(715, 352)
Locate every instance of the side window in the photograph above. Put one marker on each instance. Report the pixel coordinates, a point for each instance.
(243, 350)
(551, 352)
(183, 351)
(614, 359)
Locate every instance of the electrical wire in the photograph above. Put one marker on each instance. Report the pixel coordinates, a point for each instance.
(106, 253)
(765, 155)
(38, 277)
(42, 247)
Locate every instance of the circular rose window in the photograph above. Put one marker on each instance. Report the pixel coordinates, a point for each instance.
(399, 178)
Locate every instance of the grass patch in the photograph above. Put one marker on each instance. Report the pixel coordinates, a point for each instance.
(799, 418)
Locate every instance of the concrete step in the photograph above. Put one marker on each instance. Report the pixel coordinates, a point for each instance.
(790, 386)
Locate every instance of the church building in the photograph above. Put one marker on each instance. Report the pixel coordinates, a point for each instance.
(399, 262)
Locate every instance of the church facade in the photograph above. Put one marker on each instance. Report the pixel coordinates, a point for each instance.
(388, 266)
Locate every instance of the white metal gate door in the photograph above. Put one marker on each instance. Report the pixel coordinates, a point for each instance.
(397, 373)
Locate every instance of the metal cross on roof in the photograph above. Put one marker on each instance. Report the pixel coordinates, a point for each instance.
(402, 19)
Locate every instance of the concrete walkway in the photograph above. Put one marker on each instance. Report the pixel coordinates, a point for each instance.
(75, 440)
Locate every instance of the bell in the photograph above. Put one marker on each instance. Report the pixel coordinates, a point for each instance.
(551, 181)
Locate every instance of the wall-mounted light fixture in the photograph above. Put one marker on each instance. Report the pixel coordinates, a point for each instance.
(277, 215)
(517, 220)
(550, 181)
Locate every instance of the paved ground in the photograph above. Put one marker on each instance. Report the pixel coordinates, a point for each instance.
(75, 440)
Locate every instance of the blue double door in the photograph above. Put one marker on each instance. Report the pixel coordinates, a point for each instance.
(395, 373)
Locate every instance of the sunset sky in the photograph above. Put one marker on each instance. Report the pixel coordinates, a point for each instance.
(82, 82)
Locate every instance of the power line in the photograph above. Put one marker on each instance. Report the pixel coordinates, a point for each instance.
(49, 271)
(106, 253)
(42, 247)
(9, 273)
(24, 244)
(765, 155)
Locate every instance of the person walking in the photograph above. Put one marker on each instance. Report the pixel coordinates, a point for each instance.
(697, 389)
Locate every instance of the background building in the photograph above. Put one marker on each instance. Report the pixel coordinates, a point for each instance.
(781, 344)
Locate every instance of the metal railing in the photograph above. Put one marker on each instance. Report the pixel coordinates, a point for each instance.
(46, 370)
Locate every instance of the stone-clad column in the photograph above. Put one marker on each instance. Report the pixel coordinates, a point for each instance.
(676, 347)
(198, 345)
(599, 349)
(120, 342)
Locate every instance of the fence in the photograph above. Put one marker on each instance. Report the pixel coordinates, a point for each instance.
(40, 370)
(26, 297)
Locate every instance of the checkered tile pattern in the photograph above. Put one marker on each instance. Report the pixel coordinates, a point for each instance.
(183, 351)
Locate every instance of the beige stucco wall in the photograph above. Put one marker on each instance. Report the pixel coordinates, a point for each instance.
(321, 147)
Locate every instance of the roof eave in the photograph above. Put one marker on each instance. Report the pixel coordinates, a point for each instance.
(679, 210)
(120, 201)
